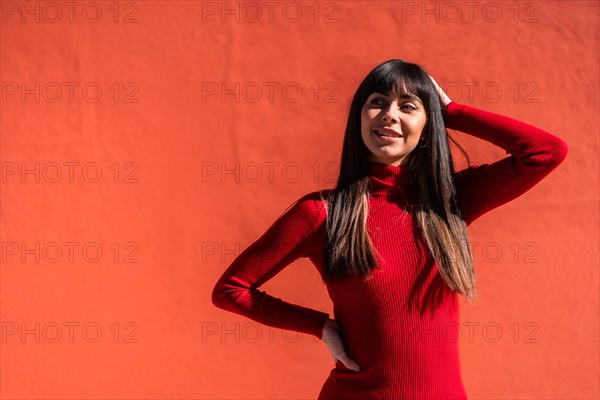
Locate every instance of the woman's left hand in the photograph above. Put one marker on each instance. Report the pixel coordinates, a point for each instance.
(444, 99)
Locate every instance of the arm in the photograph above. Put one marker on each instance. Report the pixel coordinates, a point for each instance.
(534, 153)
(289, 238)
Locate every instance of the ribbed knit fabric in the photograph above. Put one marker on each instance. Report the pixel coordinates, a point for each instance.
(402, 325)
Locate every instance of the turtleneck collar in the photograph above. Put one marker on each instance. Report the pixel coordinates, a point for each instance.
(387, 180)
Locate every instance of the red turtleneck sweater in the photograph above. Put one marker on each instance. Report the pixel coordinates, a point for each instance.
(401, 325)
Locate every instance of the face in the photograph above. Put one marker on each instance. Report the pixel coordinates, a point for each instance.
(391, 127)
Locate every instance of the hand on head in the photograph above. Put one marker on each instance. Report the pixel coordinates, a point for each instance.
(444, 99)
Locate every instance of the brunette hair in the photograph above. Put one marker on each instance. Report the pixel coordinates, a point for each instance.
(348, 247)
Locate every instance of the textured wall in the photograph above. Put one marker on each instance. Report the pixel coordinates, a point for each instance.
(166, 99)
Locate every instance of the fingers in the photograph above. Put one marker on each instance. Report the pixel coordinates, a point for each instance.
(442, 95)
(339, 354)
(349, 363)
(335, 345)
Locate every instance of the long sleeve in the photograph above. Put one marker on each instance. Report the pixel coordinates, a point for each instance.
(288, 239)
(534, 153)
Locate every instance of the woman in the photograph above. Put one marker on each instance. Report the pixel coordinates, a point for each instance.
(390, 240)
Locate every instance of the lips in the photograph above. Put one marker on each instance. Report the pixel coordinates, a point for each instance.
(387, 131)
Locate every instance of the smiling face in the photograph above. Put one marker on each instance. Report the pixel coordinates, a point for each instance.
(391, 126)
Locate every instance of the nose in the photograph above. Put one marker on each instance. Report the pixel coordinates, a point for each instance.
(389, 116)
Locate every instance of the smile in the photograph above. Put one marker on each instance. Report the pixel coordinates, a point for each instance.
(387, 133)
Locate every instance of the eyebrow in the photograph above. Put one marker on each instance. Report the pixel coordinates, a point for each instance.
(403, 96)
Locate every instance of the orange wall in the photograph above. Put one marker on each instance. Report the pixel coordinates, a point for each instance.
(136, 320)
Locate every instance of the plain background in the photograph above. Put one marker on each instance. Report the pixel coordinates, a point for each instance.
(206, 120)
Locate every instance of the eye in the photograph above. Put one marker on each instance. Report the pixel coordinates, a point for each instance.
(377, 101)
(380, 101)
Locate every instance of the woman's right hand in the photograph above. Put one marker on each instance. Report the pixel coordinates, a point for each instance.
(332, 339)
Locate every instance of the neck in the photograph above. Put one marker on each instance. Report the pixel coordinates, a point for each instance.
(386, 179)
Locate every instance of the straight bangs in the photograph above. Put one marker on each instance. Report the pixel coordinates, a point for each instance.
(400, 80)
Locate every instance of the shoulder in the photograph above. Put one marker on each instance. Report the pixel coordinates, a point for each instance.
(311, 206)
(306, 215)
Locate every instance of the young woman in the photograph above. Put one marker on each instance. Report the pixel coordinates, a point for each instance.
(390, 240)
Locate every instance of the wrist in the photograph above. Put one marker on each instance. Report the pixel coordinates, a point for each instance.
(327, 325)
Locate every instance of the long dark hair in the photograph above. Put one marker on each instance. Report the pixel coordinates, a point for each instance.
(348, 247)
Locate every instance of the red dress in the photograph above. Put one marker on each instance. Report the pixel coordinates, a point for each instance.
(402, 325)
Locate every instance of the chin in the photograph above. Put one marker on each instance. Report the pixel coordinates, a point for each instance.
(388, 155)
